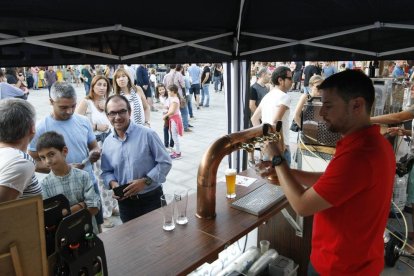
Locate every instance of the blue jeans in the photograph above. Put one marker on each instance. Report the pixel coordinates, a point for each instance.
(216, 81)
(190, 105)
(133, 208)
(184, 116)
(311, 270)
(205, 94)
(87, 87)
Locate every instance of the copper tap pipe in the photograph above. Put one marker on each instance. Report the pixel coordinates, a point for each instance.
(207, 171)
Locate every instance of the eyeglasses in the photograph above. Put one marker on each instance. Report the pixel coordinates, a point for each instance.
(113, 114)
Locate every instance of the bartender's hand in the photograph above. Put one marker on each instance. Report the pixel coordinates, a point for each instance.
(135, 187)
(94, 155)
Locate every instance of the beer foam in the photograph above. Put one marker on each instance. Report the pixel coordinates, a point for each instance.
(230, 172)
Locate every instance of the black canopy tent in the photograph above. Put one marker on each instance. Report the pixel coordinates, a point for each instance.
(44, 32)
(55, 32)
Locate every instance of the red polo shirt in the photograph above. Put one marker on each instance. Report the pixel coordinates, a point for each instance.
(347, 238)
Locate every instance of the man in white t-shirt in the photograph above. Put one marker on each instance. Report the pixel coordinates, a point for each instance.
(17, 128)
(275, 105)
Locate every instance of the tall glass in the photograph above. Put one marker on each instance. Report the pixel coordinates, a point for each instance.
(231, 182)
(167, 207)
(181, 199)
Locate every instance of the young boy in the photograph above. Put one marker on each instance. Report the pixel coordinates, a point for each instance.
(73, 183)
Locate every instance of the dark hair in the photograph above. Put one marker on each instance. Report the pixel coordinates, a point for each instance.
(157, 93)
(351, 84)
(50, 139)
(16, 119)
(117, 98)
(173, 88)
(279, 72)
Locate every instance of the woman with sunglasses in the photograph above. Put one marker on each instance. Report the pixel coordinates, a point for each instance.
(314, 82)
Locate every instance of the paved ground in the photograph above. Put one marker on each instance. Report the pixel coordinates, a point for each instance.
(209, 124)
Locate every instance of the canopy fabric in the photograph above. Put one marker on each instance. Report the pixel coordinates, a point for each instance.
(44, 32)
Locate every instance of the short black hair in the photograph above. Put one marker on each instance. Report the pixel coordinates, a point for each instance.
(117, 98)
(351, 84)
(279, 72)
(50, 139)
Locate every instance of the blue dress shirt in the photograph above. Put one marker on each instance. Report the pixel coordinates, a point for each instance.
(141, 154)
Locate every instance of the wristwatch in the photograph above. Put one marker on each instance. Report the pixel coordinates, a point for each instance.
(148, 181)
(277, 160)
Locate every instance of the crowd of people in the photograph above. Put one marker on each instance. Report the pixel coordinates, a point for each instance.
(104, 142)
(78, 140)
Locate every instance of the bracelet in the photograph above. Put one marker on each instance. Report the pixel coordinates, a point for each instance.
(147, 123)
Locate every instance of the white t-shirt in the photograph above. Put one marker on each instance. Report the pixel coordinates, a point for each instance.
(17, 172)
(270, 105)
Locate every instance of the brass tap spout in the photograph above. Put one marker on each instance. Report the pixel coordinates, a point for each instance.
(207, 171)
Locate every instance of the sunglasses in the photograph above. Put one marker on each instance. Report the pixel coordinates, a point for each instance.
(113, 114)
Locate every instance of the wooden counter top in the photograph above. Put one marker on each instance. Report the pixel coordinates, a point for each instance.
(142, 247)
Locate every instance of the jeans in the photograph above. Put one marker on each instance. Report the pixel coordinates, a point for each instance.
(190, 105)
(130, 209)
(87, 87)
(311, 270)
(216, 81)
(168, 141)
(205, 94)
(184, 116)
(35, 82)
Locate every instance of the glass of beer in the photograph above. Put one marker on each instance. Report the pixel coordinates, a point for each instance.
(231, 182)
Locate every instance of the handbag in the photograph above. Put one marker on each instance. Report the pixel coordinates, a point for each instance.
(183, 102)
(294, 126)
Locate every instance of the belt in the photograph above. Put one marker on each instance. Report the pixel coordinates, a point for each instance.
(149, 194)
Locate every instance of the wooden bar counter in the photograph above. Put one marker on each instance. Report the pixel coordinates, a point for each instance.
(142, 247)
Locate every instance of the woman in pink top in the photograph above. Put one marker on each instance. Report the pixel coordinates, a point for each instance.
(174, 119)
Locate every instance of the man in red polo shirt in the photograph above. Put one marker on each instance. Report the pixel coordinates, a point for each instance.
(351, 200)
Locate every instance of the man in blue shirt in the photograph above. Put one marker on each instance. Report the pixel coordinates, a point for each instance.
(133, 155)
(195, 74)
(76, 130)
(398, 71)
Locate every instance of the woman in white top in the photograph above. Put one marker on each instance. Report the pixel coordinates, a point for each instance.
(93, 107)
(123, 85)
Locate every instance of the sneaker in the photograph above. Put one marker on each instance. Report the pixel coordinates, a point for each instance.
(200, 105)
(190, 125)
(188, 130)
(175, 156)
(192, 117)
(206, 106)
